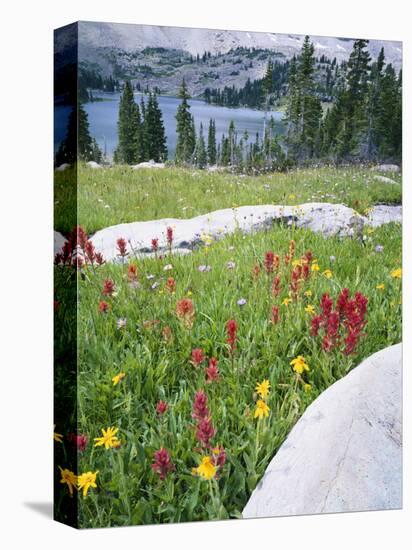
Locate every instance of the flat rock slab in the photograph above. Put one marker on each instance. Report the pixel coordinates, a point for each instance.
(387, 168)
(345, 452)
(325, 218)
(385, 179)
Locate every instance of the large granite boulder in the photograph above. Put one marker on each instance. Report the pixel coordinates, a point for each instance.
(325, 218)
(387, 168)
(345, 453)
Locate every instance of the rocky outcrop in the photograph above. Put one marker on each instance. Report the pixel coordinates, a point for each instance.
(327, 219)
(345, 453)
(93, 165)
(62, 167)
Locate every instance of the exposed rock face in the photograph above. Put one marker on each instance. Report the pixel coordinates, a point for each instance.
(387, 168)
(345, 453)
(325, 218)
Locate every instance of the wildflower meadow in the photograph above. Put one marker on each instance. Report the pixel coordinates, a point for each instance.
(192, 370)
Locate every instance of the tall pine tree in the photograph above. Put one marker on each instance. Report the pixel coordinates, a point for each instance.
(130, 147)
(186, 138)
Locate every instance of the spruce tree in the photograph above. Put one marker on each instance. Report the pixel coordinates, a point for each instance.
(78, 143)
(211, 143)
(154, 132)
(186, 139)
(201, 155)
(129, 149)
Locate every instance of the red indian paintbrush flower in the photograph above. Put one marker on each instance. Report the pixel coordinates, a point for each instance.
(275, 315)
(186, 312)
(99, 258)
(200, 409)
(90, 252)
(171, 285)
(108, 287)
(162, 464)
(276, 288)
(231, 331)
(103, 307)
(212, 372)
(79, 441)
(161, 407)
(205, 431)
(121, 246)
(197, 357)
(155, 245)
(269, 261)
(132, 272)
(169, 236)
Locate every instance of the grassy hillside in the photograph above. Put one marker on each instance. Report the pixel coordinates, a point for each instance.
(120, 194)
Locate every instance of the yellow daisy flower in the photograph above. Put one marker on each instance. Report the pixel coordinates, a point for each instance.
(87, 480)
(299, 364)
(397, 273)
(109, 438)
(116, 379)
(310, 309)
(69, 478)
(327, 273)
(381, 286)
(286, 301)
(308, 293)
(262, 410)
(263, 388)
(206, 469)
(315, 267)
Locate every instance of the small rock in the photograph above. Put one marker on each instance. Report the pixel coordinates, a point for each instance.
(148, 164)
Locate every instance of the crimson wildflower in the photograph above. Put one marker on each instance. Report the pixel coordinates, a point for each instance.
(276, 288)
(167, 335)
(269, 261)
(79, 441)
(99, 258)
(161, 407)
(162, 464)
(275, 315)
(212, 372)
(169, 236)
(132, 272)
(205, 431)
(103, 307)
(90, 252)
(108, 287)
(121, 246)
(185, 311)
(197, 357)
(231, 331)
(171, 285)
(200, 409)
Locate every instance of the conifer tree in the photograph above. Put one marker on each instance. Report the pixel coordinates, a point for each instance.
(154, 132)
(129, 149)
(201, 154)
(211, 143)
(186, 139)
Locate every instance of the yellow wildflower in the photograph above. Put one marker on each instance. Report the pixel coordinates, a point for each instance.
(57, 437)
(369, 231)
(116, 379)
(297, 263)
(327, 273)
(381, 286)
(315, 266)
(308, 293)
(69, 478)
(87, 480)
(397, 273)
(263, 388)
(299, 364)
(206, 469)
(307, 388)
(262, 410)
(207, 239)
(310, 309)
(286, 301)
(109, 438)
(292, 196)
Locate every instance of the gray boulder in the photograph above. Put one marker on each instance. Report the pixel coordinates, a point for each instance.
(62, 167)
(387, 168)
(383, 213)
(384, 179)
(345, 452)
(93, 165)
(148, 164)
